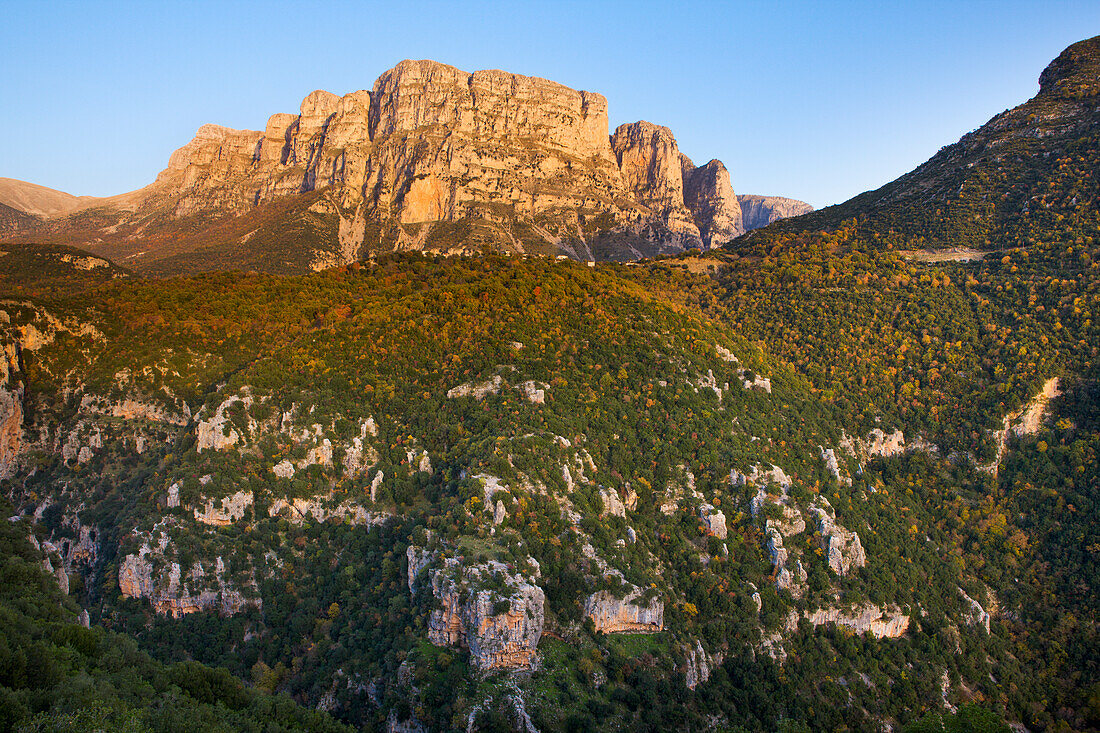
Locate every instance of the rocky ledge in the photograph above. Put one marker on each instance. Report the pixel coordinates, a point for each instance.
(496, 613)
(633, 612)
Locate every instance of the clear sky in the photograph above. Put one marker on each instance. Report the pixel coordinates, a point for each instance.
(814, 100)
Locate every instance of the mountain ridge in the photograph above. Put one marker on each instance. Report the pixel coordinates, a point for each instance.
(995, 183)
(528, 163)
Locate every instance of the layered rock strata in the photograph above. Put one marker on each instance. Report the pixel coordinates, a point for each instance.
(632, 612)
(498, 615)
(759, 211)
(431, 143)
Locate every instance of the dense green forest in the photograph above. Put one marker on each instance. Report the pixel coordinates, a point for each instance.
(56, 675)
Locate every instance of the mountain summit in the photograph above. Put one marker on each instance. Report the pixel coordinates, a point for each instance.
(1011, 180)
(433, 158)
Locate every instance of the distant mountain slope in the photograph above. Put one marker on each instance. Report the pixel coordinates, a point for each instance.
(30, 198)
(12, 220)
(1027, 172)
(759, 211)
(54, 268)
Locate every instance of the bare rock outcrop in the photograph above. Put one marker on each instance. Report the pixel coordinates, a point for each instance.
(832, 465)
(714, 521)
(496, 613)
(1025, 421)
(323, 508)
(711, 200)
(225, 511)
(842, 547)
(633, 612)
(428, 143)
(759, 211)
(219, 433)
(880, 444)
(418, 559)
(174, 592)
(477, 391)
(696, 667)
(612, 504)
(975, 614)
(651, 167)
(535, 392)
(788, 576)
(773, 487)
(881, 623)
(11, 408)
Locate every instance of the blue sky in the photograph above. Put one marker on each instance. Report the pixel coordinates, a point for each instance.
(813, 100)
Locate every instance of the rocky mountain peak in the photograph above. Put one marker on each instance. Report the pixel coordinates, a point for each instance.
(526, 162)
(1077, 69)
(710, 197)
(318, 105)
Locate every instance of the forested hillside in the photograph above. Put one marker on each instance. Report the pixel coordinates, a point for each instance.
(840, 475)
(1020, 180)
(318, 456)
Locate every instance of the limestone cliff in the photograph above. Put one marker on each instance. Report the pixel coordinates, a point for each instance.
(495, 613)
(717, 210)
(11, 408)
(633, 612)
(880, 623)
(525, 164)
(842, 547)
(759, 211)
(152, 573)
(652, 170)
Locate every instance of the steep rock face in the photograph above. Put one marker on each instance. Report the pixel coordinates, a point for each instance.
(225, 511)
(759, 211)
(428, 143)
(652, 170)
(714, 521)
(710, 197)
(975, 613)
(1025, 421)
(219, 433)
(629, 613)
(527, 165)
(135, 577)
(323, 508)
(697, 667)
(448, 141)
(418, 559)
(11, 408)
(612, 504)
(842, 547)
(786, 578)
(174, 592)
(879, 444)
(832, 465)
(888, 623)
(495, 613)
